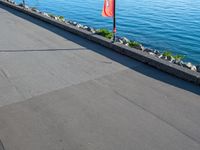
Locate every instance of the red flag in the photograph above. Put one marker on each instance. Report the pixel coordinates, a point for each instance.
(108, 8)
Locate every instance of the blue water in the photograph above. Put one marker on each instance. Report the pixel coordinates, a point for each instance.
(172, 25)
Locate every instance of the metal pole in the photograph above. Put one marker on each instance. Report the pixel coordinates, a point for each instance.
(24, 3)
(114, 22)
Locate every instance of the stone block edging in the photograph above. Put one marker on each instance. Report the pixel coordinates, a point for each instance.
(173, 69)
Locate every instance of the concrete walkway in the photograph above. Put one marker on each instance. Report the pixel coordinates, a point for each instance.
(61, 92)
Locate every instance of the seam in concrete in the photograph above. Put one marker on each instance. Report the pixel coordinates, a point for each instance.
(158, 117)
(55, 90)
(153, 61)
(4, 73)
(1, 146)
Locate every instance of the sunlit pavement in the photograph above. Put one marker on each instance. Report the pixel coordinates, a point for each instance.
(61, 92)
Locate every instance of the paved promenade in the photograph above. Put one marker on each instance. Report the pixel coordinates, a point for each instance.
(61, 92)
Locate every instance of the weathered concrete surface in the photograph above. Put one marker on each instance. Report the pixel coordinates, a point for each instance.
(173, 69)
(59, 91)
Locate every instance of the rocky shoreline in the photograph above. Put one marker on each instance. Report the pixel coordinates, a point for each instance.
(167, 56)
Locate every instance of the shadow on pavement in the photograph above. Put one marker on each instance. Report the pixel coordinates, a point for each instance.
(40, 50)
(1, 146)
(124, 60)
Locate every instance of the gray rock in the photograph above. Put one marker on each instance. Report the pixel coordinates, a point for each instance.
(92, 30)
(89, 29)
(187, 65)
(74, 23)
(21, 5)
(12, 2)
(85, 28)
(34, 9)
(170, 58)
(127, 44)
(198, 68)
(118, 39)
(69, 21)
(184, 64)
(66, 21)
(176, 61)
(45, 14)
(80, 26)
(164, 57)
(194, 68)
(56, 18)
(26, 7)
(142, 47)
(159, 55)
(148, 50)
(125, 40)
(180, 63)
(157, 52)
(151, 53)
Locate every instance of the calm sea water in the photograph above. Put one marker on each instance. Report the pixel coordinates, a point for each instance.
(172, 25)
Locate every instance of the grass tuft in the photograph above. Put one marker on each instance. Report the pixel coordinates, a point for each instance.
(179, 57)
(105, 33)
(133, 44)
(167, 54)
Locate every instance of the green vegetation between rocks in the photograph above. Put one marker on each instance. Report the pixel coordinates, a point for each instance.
(179, 57)
(176, 57)
(167, 54)
(134, 44)
(51, 15)
(61, 17)
(105, 33)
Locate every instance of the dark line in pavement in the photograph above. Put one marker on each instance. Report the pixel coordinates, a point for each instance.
(158, 117)
(40, 50)
(1, 146)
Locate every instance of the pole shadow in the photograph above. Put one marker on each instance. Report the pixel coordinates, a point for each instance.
(40, 50)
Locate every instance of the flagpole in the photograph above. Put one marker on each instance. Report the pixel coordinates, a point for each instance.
(114, 22)
(24, 3)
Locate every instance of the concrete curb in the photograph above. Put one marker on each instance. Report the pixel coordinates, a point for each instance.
(158, 63)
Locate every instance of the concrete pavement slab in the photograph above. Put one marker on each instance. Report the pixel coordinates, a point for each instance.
(36, 60)
(59, 91)
(85, 117)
